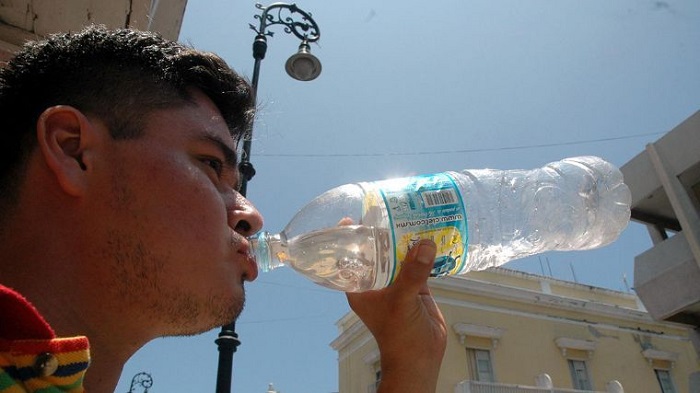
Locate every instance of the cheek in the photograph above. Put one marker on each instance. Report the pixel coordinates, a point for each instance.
(185, 207)
(198, 212)
(166, 201)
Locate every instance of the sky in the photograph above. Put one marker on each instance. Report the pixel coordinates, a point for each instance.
(413, 88)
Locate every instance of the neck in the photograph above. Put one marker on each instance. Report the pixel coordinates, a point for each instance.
(112, 334)
(112, 340)
(106, 364)
(71, 295)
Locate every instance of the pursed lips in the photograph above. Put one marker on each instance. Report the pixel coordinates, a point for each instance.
(242, 248)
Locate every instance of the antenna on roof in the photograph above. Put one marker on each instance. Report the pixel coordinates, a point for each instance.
(541, 266)
(573, 272)
(624, 280)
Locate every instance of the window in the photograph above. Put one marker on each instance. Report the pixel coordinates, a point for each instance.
(374, 365)
(372, 388)
(665, 381)
(377, 378)
(479, 365)
(662, 362)
(579, 375)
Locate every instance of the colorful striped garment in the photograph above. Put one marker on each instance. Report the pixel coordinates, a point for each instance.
(32, 358)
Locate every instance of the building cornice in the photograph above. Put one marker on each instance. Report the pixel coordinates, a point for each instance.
(349, 333)
(464, 330)
(468, 285)
(566, 343)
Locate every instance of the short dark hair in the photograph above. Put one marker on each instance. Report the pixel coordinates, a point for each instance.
(117, 75)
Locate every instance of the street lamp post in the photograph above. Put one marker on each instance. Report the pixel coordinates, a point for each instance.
(143, 379)
(301, 66)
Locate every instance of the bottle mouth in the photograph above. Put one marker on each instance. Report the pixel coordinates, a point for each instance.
(261, 247)
(259, 250)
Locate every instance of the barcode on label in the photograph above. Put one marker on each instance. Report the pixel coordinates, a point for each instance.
(439, 197)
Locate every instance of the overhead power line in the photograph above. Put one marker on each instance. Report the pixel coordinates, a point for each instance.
(455, 151)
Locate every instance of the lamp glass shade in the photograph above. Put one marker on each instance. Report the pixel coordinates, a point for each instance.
(303, 66)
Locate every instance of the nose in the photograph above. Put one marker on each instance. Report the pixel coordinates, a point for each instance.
(243, 217)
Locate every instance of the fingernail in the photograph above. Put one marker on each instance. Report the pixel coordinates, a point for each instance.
(426, 252)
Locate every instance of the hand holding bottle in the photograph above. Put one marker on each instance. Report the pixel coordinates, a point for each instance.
(407, 324)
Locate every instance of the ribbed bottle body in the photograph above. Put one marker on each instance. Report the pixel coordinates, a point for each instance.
(352, 237)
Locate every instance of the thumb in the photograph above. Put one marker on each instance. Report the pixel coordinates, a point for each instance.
(417, 266)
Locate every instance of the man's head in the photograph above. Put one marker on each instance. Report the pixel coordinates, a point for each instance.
(118, 76)
(121, 188)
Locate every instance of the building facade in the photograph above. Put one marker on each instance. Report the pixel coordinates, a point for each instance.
(665, 184)
(25, 20)
(513, 332)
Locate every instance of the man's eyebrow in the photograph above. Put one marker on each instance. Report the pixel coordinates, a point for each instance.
(230, 155)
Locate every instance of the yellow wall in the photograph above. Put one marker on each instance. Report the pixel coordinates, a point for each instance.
(529, 322)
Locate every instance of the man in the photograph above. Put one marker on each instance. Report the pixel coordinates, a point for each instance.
(120, 219)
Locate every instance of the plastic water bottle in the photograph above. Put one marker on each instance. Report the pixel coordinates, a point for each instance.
(352, 238)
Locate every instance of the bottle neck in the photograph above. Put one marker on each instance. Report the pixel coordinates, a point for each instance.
(267, 249)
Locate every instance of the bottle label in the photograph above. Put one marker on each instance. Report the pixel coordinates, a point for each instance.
(426, 207)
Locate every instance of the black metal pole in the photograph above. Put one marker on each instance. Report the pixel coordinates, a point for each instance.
(227, 340)
(245, 166)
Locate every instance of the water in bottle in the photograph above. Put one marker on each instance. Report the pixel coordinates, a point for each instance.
(353, 237)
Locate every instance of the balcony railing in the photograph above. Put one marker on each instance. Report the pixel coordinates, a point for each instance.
(489, 387)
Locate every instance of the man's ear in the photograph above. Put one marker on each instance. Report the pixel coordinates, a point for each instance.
(65, 137)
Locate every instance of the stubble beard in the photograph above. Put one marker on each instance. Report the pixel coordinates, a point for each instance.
(143, 291)
(143, 294)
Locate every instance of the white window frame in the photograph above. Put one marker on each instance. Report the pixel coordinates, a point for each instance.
(670, 387)
(476, 358)
(580, 377)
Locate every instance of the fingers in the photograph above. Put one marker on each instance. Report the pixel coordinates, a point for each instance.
(416, 268)
(345, 221)
(411, 281)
